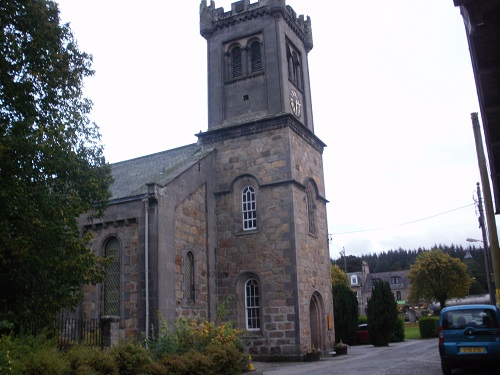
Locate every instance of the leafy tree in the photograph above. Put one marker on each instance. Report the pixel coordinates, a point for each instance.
(382, 314)
(52, 167)
(338, 276)
(436, 276)
(345, 312)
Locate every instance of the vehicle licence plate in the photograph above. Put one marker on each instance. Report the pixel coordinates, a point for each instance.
(472, 349)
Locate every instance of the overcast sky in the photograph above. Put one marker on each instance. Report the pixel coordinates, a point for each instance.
(392, 89)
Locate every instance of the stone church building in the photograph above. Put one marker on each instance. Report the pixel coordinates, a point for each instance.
(239, 213)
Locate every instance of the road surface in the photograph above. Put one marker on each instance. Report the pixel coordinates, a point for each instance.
(412, 357)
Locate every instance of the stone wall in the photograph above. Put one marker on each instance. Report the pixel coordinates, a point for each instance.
(127, 233)
(191, 236)
(290, 264)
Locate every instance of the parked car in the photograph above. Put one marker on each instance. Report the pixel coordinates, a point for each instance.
(362, 336)
(469, 334)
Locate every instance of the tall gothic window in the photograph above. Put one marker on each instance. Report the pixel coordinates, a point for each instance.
(252, 305)
(249, 208)
(112, 279)
(189, 276)
(236, 63)
(311, 209)
(256, 57)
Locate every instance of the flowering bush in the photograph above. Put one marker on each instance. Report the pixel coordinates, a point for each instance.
(185, 335)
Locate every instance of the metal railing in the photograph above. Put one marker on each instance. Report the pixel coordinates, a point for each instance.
(72, 331)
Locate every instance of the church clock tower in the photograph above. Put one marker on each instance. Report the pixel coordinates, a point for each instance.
(272, 251)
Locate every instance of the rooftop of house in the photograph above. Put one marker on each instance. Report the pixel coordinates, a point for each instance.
(389, 277)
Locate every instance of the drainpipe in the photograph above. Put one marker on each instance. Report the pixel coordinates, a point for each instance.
(146, 263)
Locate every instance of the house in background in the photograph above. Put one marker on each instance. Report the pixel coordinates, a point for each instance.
(362, 284)
(356, 282)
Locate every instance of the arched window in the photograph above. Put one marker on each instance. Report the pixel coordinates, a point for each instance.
(252, 305)
(294, 66)
(311, 209)
(249, 208)
(189, 276)
(112, 279)
(256, 57)
(236, 63)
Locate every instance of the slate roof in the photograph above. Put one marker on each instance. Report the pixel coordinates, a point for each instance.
(386, 276)
(132, 176)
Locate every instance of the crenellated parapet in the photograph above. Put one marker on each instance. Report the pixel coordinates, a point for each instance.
(212, 18)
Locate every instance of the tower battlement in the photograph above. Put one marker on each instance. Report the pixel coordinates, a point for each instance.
(212, 18)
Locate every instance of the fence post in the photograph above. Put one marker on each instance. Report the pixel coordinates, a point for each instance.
(110, 330)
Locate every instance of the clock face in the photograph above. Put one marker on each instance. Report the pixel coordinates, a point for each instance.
(295, 103)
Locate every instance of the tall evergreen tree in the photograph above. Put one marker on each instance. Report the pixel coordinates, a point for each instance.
(382, 313)
(345, 312)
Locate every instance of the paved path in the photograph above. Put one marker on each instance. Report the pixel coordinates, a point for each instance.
(412, 357)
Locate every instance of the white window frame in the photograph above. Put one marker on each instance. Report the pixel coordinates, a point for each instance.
(249, 208)
(252, 305)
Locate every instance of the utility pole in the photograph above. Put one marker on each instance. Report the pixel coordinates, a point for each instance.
(345, 262)
(488, 204)
(487, 258)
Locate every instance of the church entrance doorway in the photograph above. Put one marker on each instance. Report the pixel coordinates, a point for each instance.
(315, 314)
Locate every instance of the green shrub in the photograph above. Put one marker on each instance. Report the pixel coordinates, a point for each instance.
(192, 363)
(91, 360)
(362, 319)
(130, 358)
(428, 327)
(9, 361)
(45, 361)
(155, 368)
(184, 335)
(398, 335)
(345, 312)
(30, 355)
(226, 360)
(382, 313)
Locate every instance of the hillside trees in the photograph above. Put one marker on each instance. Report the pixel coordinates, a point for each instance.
(436, 276)
(401, 259)
(52, 167)
(382, 313)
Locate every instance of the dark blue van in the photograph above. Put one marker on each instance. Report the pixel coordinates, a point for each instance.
(469, 334)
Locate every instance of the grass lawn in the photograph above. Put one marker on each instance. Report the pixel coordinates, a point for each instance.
(412, 331)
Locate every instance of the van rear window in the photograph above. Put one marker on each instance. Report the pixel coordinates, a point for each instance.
(458, 319)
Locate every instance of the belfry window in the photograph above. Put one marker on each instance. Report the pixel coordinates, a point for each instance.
(243, 58)
(256, 57)
(294, 66)
(252, 305)
(112, 278)
(249, 208)
(236, 63)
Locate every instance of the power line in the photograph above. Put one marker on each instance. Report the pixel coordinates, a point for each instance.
(410, 222)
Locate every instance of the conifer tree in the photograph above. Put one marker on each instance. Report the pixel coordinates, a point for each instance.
(345, 310)
(382, 313)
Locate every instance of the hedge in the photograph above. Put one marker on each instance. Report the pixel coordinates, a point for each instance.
(428, 327)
